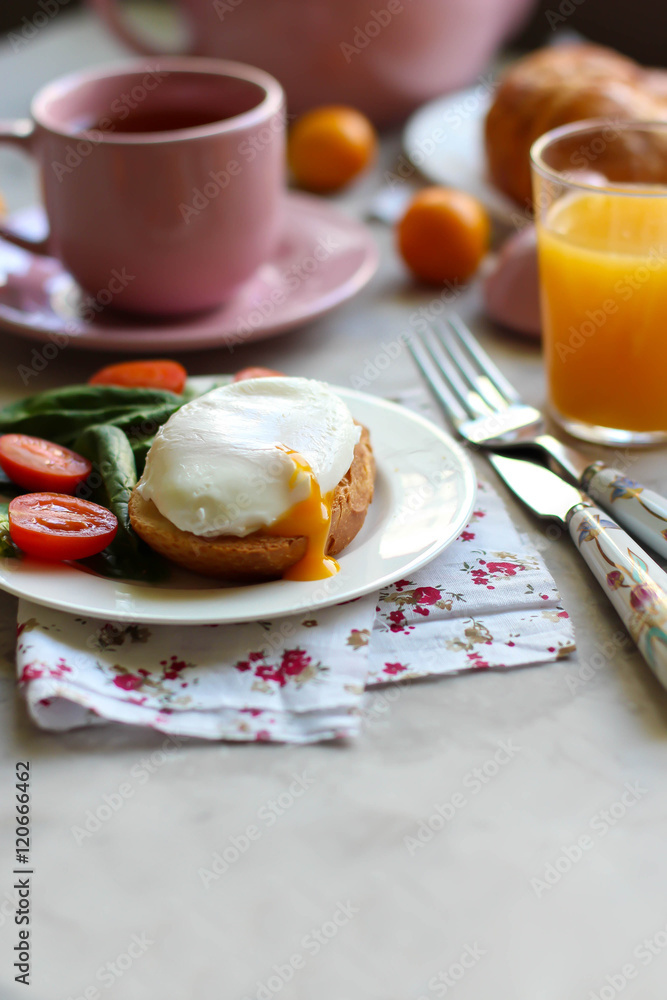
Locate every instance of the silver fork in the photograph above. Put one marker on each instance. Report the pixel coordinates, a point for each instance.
(487, 411)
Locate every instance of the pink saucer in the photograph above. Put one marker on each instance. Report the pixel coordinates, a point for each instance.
(324, 259)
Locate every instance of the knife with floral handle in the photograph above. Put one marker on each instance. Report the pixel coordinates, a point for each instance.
(642, 511)
(631, 579)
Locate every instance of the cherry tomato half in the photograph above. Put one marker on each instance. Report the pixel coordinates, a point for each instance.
(55, 526)
(36, 464)
(245, 373)
(158, 374)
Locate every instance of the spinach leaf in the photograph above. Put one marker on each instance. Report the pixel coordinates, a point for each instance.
(7, 548)
(60, 415)
(140, 448)
(110, 484)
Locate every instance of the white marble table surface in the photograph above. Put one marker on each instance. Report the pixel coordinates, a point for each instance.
(330, 885)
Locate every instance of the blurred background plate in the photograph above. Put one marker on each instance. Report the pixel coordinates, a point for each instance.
(445, 142)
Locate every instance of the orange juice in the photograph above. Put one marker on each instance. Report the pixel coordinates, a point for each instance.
(603, 277)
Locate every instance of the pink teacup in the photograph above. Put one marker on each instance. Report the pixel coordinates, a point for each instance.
(163, 181)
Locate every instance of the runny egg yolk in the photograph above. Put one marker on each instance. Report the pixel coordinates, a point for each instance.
(311, 518)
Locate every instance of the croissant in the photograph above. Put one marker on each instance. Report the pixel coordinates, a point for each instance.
(555, 86)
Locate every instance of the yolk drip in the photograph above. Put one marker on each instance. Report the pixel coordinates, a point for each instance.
(310, 517)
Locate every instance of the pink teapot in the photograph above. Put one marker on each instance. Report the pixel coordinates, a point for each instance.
(385, 57)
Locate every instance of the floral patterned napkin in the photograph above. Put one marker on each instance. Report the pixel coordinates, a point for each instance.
(487, 601)
(295, 680)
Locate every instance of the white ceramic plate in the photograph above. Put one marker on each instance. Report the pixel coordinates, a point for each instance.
(425, 492)
(445, 141)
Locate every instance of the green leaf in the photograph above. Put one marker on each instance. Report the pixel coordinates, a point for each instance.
(110, 484)
(7, 548)
(60, 415)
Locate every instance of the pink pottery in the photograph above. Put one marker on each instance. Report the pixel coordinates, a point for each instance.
(385, 57)
(164, 218)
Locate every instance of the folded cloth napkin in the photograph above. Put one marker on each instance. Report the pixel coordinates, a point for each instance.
(487, 601)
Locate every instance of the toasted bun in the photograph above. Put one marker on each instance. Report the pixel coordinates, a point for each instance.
(257, 556)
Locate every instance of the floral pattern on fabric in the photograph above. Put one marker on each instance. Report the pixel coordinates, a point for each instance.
(473, 608)
(290, 680)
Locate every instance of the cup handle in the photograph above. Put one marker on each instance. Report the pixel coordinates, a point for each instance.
(109, 11)
(20, 133)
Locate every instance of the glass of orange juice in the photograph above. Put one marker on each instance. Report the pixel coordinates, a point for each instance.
(600, 198)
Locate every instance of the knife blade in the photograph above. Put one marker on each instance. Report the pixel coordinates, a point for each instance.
(630, 578)
(545, 492)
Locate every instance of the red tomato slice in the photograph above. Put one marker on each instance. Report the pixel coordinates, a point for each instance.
(36, 464)
(158, 374)
(55, 526)
(245, 373)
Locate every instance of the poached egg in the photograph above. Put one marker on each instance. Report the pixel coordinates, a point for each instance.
(260, 455)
